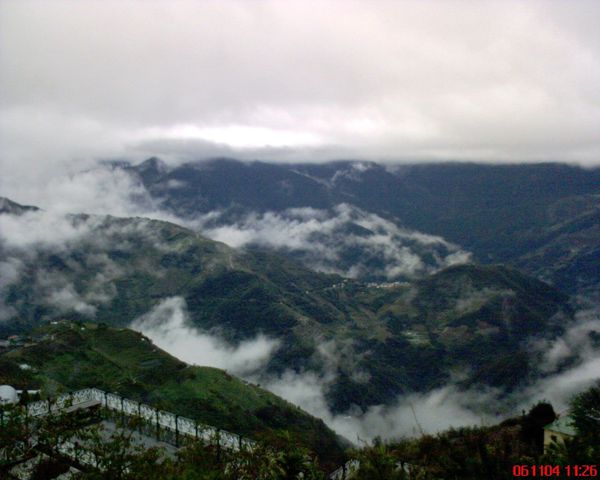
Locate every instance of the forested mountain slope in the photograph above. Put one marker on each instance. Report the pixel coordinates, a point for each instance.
(542, 218)
(372, 342)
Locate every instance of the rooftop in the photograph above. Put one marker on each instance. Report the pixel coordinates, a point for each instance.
(563, 424)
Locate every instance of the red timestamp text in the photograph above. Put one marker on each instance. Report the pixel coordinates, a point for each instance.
(540, 471)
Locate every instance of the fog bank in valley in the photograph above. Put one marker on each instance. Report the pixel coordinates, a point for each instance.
(410, 415)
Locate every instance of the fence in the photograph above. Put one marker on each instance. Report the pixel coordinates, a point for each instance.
(345, 471)
(165, 426)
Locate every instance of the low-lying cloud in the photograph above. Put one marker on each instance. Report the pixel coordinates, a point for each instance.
(9, 273)
(40, 229)
(451, 406)
(410, 415)
(344, 240)
(43, 248)
(57, 292)
(572, 362)
(99, 189)
(22, 238)
(168, 326)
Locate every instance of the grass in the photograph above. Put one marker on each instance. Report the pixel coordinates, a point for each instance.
(74, 356)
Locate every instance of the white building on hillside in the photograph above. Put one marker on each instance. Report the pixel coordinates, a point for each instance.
(8, 395)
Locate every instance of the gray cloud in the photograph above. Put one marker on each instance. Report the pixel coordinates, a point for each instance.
(81, 283)
(449, 405)
(167, 325)
(40, 229)
(572, 361)
(409, 415)
(387, 80)
(328, 241)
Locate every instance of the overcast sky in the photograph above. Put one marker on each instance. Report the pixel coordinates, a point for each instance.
(286, 80)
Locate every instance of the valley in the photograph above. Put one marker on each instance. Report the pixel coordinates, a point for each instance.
(364, 343)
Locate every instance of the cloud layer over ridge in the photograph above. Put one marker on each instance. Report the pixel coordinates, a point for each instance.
(391, 80)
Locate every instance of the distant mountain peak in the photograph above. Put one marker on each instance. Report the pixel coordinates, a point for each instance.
(14, 208)
(153, 164)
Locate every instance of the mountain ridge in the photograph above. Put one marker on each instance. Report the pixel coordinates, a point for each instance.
(501, 213)
(380, 340)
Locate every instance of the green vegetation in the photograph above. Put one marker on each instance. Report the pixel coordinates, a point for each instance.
(73, 356)
(584, 448)
(469, 453)
(119, 455)
(466, 453)
(399, 338)
(543, 218)
(488, 452)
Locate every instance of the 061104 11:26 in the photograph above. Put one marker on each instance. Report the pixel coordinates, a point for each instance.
(576, 471)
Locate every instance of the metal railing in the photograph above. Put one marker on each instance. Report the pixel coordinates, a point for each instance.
(164, 426)
(345, 471)
(161, 421)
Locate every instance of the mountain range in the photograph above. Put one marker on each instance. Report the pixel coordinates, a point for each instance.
(348, 287)
(366, 342)
(541, 218)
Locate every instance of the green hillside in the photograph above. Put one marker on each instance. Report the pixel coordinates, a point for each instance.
(465, 318)
(69, 356)
(381, 340)
(539, 217)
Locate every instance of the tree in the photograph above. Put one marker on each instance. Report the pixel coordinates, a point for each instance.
(532, 425)
(120, 457)
(585, 411)
(584, 448)
(14, 435)
(379, 462)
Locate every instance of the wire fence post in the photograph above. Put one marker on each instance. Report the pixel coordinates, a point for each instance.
(218, 446)
(157, 427)
(122, 412)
